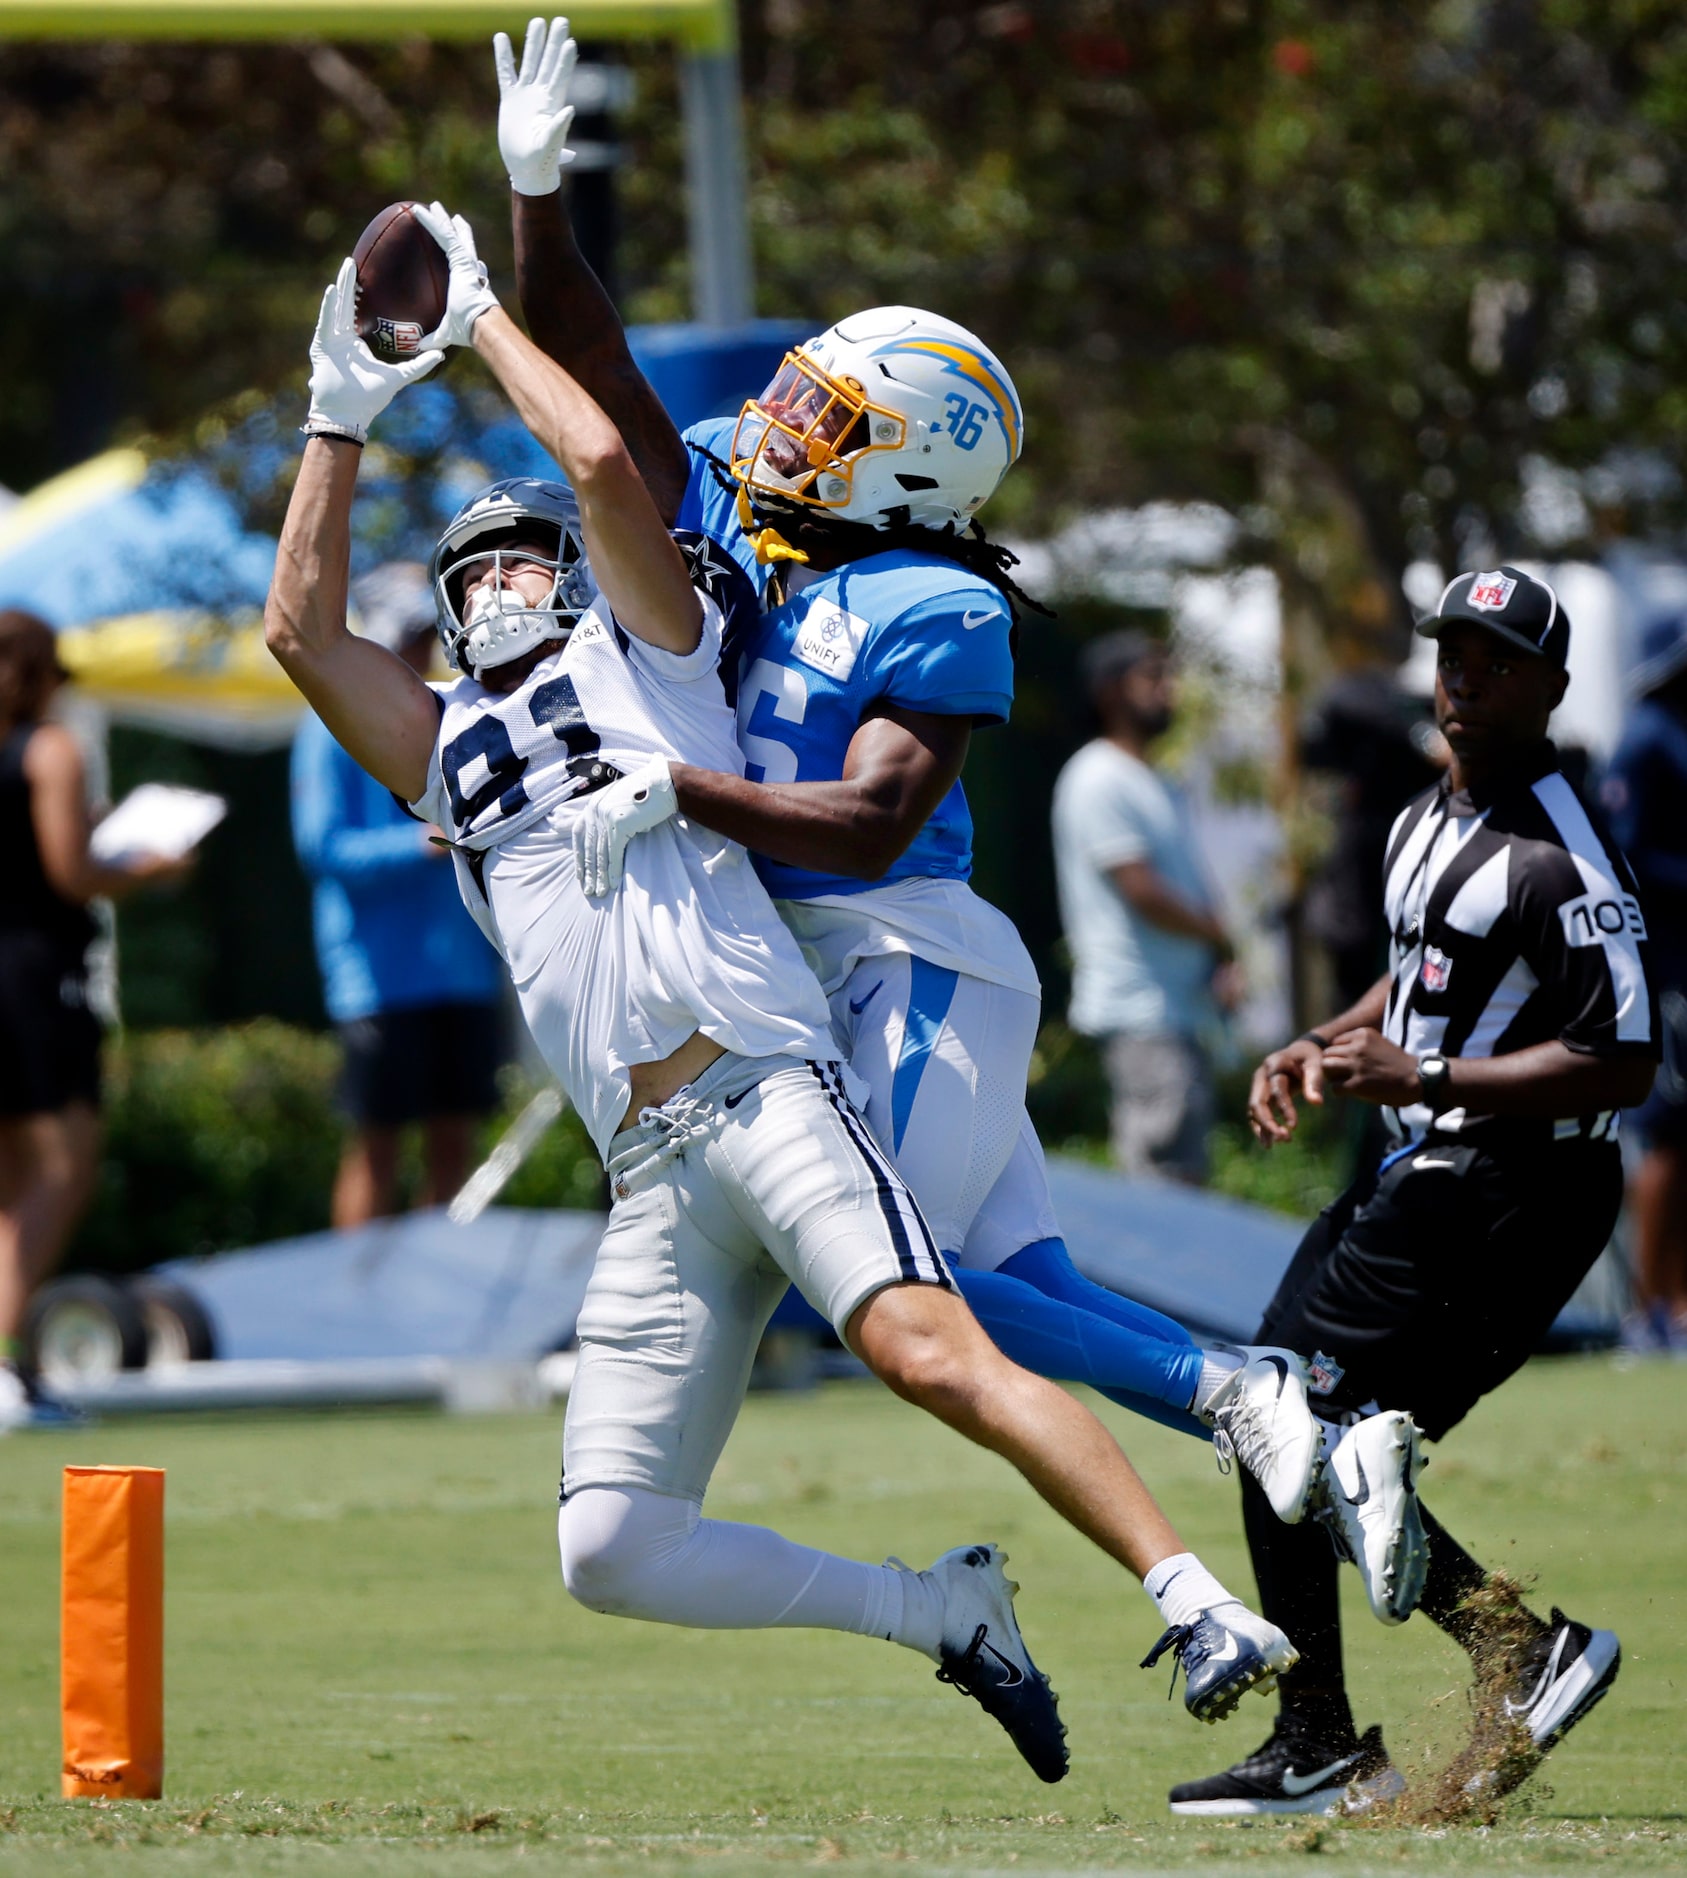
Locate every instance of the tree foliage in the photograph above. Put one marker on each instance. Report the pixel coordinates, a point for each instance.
(1363, 273)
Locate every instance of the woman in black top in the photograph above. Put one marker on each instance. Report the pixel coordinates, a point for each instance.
(49, 1038)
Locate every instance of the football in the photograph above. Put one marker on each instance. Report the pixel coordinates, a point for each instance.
(403, 278)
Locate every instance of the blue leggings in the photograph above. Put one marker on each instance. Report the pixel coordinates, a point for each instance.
(1040, 1310)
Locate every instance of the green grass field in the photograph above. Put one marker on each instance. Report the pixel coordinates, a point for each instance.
(372, 1666)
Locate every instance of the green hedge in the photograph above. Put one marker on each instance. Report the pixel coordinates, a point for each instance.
(224, 1138)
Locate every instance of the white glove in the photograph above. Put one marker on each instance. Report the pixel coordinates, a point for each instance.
(469, 296)
(349, 386)
(533, 109)
(613, 816)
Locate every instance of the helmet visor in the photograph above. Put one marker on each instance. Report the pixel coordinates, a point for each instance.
(799, 439)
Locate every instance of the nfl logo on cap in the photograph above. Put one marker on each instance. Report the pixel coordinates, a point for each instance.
(1510, 603)
(1491, 591)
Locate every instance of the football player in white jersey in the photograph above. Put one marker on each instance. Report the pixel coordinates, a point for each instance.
(848, 493)
(681, 1020)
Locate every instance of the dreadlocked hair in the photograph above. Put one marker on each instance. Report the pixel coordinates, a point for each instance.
(853, 541)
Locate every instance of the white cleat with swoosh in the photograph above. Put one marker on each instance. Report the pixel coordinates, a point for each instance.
(1259, 1415)
(1370, 1502)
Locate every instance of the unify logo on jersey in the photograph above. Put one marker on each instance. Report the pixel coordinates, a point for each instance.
(1437, 969)
(1490, 592)
(830, 640)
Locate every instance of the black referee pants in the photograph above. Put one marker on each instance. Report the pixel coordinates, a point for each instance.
(1428, 1283)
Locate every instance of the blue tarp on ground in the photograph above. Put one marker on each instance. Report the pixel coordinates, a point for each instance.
(509, 1286)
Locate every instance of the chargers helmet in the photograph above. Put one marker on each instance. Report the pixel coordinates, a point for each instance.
(891, 416)
(501, 625)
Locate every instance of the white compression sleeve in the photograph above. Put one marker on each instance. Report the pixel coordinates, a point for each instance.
(632, 1553)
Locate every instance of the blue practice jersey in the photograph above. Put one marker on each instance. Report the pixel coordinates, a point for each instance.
(902, 628)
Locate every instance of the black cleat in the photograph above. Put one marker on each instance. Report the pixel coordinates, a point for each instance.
(1567, 1671)
(984, 1656)
(1295, 1772)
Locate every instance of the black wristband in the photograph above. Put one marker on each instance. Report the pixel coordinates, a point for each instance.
(1314, 1036)
(339, 436)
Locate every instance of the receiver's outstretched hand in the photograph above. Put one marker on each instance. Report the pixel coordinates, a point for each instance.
(349, 386)
(534, 114)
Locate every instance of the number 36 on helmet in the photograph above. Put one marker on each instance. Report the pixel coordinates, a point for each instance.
(892, 416)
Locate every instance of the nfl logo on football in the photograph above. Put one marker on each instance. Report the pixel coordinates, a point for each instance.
(1437, 969)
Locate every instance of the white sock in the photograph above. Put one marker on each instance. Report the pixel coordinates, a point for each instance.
(634, 1553)
(1183, 1588)
(1217, 1366)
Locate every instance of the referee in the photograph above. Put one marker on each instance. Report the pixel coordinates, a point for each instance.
(1515, 1020)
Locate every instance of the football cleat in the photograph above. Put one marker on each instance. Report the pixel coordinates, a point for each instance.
(1295, 1772)
(1260, 1417)
(1557, 1679)
(1223, 1654)
(983, 1655)
(1369, 1499)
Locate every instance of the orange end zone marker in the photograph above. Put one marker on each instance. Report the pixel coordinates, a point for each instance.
(111, 1632)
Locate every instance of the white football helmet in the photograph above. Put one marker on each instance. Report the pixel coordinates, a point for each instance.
(891, 416)
(519, 512)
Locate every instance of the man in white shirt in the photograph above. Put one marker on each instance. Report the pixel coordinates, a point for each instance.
(683, 1024)
(1149, 955)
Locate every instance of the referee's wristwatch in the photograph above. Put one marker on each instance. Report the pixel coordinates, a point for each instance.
(1434, 1072)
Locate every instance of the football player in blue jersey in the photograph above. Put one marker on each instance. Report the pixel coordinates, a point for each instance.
(848, 492)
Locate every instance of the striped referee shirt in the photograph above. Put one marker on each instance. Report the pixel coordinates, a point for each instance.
(1513, 921)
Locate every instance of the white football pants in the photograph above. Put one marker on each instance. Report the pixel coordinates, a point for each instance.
(945, 1056)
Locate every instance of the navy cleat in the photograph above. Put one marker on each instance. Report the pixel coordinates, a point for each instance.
(1223, 1654)
(984, 1656)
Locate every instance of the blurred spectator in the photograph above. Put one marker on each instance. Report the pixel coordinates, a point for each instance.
(1149, 956)
(1645, 795)
(408, 979)
(1369, 731)
(49, 1035)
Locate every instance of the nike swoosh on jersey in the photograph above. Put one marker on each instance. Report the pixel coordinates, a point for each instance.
(856, 1009)
(1296, 1784)
(971, 620)
(1423, 1160)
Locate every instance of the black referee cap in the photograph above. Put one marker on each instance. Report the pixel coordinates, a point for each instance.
(1514, 605)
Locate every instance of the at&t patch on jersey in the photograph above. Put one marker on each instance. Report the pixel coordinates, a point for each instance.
(830, 640)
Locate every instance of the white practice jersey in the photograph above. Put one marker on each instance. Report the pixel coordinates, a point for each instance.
(691, 940)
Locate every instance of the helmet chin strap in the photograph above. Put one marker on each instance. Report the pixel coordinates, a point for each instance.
(771, 547)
